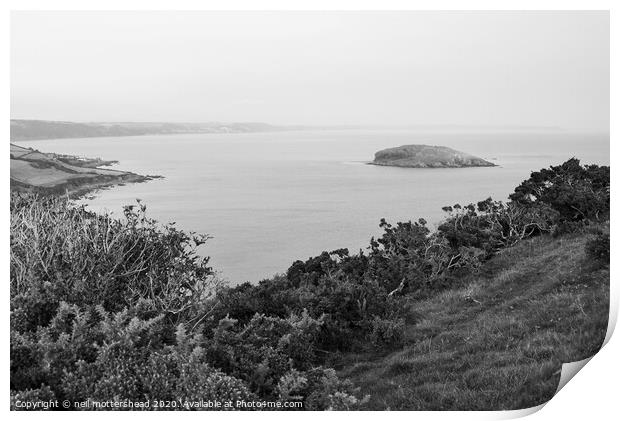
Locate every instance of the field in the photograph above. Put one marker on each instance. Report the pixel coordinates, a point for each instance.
(53, 174)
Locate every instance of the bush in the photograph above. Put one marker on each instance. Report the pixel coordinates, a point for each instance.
(104, 309)
(491, 225)
(44, 396)
(320, 389)
(99, 356)
(61, 252)
(387, 332)
(333, 287)
(574, 191)
(597, 248)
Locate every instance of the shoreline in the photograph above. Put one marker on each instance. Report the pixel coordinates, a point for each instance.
(430, 167)
(50, 173)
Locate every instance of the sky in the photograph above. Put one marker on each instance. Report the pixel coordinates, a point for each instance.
(314, 68)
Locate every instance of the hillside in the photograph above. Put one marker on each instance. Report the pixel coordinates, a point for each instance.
(425, 156)
(53, 173)
(42, 129)
(498, 341)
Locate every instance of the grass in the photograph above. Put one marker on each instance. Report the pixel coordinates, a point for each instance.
(499, 341)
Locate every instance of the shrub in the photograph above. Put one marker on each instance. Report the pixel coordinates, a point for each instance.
(387, 332)
(105, 309)
(272, 297)
(397, 257)
(597, 248)
(320, 389)
(43, 396)
(102, 356)
(61, 252)
(265, 349)
(408, 258)
(491, 225)
(333, 287)
(576, 192)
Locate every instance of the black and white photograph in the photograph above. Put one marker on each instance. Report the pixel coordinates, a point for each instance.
(306, 210)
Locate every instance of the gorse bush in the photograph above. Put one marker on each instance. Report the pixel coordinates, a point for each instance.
(94, 355)
(344, 304)
(388, 332)
(408, 257)
(491, 225)
(125, 309)
(65, 253)
(107, 309)
(320, 389)
(576, 192)
(598, 248)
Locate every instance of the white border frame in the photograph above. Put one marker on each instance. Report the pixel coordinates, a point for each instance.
(592, 394)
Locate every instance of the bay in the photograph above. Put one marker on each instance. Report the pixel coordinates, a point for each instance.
(269, 199)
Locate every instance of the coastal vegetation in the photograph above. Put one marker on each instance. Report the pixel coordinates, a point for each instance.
(477, 314)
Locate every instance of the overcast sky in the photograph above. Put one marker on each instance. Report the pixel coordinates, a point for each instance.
(324, 68)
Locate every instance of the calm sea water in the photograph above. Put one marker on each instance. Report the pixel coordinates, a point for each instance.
(271, 198)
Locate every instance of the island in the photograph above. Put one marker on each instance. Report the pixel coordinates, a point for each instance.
(49, 173)
(426, 156)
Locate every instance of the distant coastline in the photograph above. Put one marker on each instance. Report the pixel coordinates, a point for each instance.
(31, 129)
(44, 129)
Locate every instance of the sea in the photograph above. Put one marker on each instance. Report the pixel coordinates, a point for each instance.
(269, 199)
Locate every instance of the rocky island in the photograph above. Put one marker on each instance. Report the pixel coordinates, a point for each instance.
(426, 156)
(50, 173)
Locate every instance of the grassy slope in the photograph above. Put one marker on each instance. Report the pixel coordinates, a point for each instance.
(48, 173)
(499, 342)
